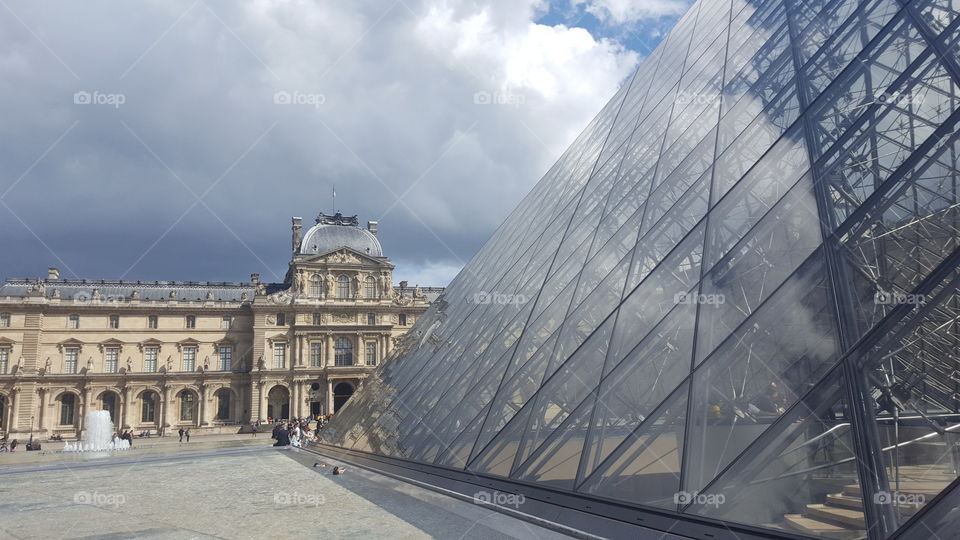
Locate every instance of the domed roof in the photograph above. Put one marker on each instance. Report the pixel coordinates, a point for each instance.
(336, 231)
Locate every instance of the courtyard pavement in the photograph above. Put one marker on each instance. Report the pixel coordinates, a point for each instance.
(250, 491)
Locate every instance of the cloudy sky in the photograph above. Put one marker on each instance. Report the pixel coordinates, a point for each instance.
(173, 140)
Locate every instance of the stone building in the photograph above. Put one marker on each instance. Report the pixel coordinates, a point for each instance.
(162, 355)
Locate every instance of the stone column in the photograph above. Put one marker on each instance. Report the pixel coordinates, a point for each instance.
(165, 409)
(329, 395)
(12, 426)
(127, 408)
(263, 401)
(42, 420)
(201, 419)
(329, 359)
(85, 407)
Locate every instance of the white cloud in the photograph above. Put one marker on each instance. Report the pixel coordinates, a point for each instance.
(398, 85)
(628, 11)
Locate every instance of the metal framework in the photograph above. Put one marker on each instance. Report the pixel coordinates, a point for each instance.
(733, 300)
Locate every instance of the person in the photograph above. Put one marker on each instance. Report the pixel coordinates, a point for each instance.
(181, 434)
(254, 429)
(295, 437)
(283, 437)
(13, 445)
(187, 434)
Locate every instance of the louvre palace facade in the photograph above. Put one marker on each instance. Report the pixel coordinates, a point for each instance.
(163, 355)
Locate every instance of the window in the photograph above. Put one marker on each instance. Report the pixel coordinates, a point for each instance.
(279, 355)
(342, 352)
(315, 352)
(70, 357)
(226, 358)
(68, 405)
(111, 360)
(114, 321)
(371, 319)
(189, 358)
(148, 408)
(281, 319)
(73, 321)
(317, 319)
(4, 320)
(343, 287)
(370, 354)
(370, 288)
(188, 406)
(226, 322)
(402, 319)
(150, 359)
(223, 404)
(4, 360)
(152, 321)
(316, 286)
(191, 321)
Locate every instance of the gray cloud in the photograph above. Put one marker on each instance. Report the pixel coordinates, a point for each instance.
(388, 109)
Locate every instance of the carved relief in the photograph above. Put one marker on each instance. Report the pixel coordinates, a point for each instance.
(343, 318)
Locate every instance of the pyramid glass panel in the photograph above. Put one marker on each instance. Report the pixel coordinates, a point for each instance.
(739, 282)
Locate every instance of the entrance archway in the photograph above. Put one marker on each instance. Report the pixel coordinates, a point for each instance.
(278, 403)
(341, 393)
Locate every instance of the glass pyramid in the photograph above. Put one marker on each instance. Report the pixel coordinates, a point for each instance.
(733, 297)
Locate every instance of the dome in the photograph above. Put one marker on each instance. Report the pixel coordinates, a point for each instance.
(329, 234)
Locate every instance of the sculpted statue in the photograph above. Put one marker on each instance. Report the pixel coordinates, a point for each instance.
(209, 295)
(418, 293)
(96, 294)
(331, 286)
(135, 295)
(129, 365)
(56, 293)
(357, 287)
(261, 289)
(302, 285)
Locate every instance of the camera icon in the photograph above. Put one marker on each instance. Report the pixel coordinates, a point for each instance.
(682, 497)
(882, 298)
(282, 98)
(82, 497)
(481, 298)
(482, 98)
(882, 497)
(82, 98)
(281, 498)
(82, 296)
(482, 496)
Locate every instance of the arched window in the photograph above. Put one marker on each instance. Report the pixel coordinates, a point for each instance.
(316, 286)
(68, 408)
(342, 352)
(223, 404)
(148, 408)
(188, 406)
(343, 287)
(370, 288)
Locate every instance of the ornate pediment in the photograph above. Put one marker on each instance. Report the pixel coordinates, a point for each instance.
(68, 343)
(110, 343)
(344, 256)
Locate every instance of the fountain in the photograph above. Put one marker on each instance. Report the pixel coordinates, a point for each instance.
(97, 435)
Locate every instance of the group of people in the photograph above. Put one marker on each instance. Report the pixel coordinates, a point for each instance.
(184, 433)
(296, 432)
(12, 447)
(126, 436)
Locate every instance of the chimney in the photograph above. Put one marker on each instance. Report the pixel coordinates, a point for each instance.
(372, 227)
(53, 273)
(254, 278)
(297, 234)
